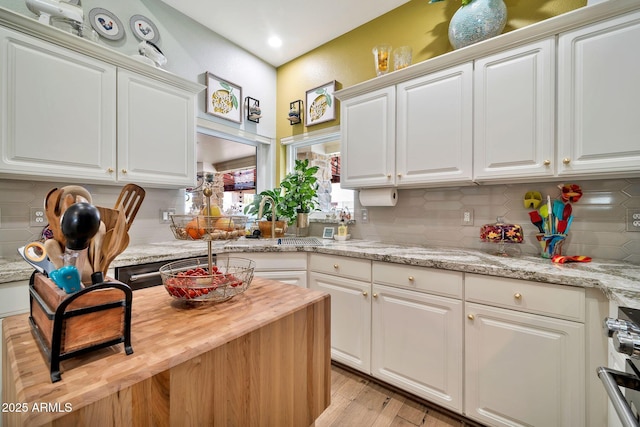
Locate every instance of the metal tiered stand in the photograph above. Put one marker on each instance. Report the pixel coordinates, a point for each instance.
(224, 277)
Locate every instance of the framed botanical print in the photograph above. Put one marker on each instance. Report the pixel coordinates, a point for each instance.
(321, 106)
(222, 98)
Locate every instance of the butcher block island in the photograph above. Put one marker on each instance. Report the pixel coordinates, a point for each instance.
(261, 358)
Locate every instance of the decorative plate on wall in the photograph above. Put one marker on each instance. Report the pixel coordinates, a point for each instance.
(106, 23)
(144, 29)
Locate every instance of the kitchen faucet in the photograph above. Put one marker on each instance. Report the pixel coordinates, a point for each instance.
(273, 213)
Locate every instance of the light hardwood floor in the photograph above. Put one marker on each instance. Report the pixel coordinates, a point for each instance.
(357, 401)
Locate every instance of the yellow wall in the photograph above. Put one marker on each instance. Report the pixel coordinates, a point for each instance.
(348, 58)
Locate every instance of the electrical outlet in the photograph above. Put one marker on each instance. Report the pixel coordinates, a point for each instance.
(165, 215)
(467, 216)
(364, 215)
(37, 217)
(633, 219)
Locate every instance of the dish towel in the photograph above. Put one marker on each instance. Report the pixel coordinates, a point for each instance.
(561, 259)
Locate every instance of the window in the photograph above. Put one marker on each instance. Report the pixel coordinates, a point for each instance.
(322, 149)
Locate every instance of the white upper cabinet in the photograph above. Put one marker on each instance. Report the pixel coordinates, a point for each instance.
(598, 93)
(76, 112)
(514, 111)
(155, 144)
(58, 111)
(368, 125)
(434, 128)
(551, 100)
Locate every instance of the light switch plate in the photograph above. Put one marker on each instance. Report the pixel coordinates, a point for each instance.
(165, 215)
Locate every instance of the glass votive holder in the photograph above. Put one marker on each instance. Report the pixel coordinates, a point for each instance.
(550, 244)
(382, 57)
(401, 57)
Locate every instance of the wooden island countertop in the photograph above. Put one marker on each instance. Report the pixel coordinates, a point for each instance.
(261, 358)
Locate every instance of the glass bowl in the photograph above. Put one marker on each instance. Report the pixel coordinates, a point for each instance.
(203, 227)
(190, 279)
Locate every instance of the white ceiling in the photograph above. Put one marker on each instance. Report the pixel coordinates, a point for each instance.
(302, 25)
(213, 150)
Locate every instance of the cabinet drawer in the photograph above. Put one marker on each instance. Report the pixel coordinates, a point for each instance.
(564, 302)
(448, 283)
(354, 268)
(284, 261)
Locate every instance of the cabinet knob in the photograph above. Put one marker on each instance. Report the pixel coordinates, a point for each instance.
(375, 295)
(399, 175)
(365, 293)
(517, 295)
(110, 170)
(388, 176)
(335, 266)
(124, 171)
(547, 162)
(566, 160)
(411, 279)
(470, 316)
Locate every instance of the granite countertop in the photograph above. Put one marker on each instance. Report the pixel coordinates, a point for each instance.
(619, 281)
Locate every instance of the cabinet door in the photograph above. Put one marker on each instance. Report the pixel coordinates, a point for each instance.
(417, 344)
(57, 112)
(598, 92)
(514, 97)
(156, 132)
(350, 319)
(523, 369)
(368, 139)
(298, 278)
(434, 134)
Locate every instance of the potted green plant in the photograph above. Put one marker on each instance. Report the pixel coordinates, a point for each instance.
(300, 194)
(266, 220)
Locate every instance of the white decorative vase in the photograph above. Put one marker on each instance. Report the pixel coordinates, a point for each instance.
(477, 21)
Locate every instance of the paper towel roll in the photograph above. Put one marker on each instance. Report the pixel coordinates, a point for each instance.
(379, 197)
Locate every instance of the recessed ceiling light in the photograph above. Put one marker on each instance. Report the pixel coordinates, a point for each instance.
(274, 41)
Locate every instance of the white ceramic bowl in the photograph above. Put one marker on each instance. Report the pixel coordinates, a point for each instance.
(341, 238)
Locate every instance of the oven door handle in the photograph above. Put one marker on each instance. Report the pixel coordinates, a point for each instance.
(135, 277)
(610, 379)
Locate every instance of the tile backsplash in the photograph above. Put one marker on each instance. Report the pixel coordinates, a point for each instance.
(422, 216)
(18, 197)
(434, 216)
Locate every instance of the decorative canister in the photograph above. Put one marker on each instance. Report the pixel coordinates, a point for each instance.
(477, 21)
(500, 235)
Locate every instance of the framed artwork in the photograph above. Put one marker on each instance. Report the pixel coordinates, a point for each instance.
(321, 106)
(222, 99)
(106, 24)
(328, 232)
(144, 29)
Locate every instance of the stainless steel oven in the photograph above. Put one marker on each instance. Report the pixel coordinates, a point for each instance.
(141, 276)
(623, 388)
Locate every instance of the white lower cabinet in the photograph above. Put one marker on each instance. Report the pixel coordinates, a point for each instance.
(290, 268)
(502, 352)
(417, 344)
(523, 369)
(348, 281)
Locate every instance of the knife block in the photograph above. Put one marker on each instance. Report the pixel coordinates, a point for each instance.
(68, 325)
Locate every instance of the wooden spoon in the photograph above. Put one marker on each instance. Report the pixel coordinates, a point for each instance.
(96, 246)
(112, 244)
(52, 212)
(129, 201)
